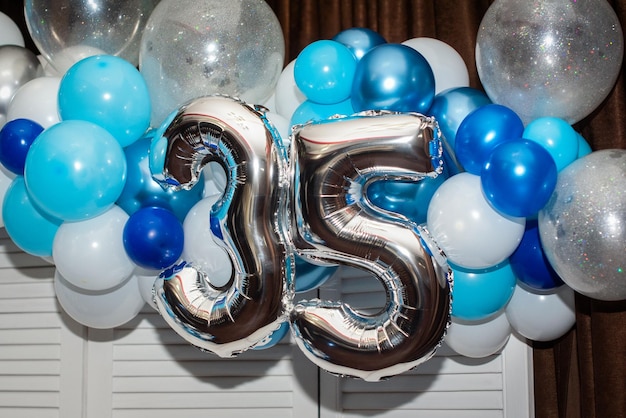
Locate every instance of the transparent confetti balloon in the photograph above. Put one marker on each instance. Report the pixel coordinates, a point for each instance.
(65, 31)
(549, 57)
(583, 226)
(193, 48)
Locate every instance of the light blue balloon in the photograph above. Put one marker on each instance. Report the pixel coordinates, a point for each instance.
(108, 91)
(359, 40)
(555, 135)
(478, 294)
(324, 71)
(583, 147)
(309, 111)
(75, 170)
(31, 229)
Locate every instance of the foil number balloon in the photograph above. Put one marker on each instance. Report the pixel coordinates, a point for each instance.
(314, 205)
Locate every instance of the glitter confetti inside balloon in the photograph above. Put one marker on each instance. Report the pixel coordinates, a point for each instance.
(549, 57)
(583, 226)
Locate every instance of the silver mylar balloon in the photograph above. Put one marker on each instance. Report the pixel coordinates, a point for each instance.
(549, 57)
(583, 226)
(192, 48)
(248, 221)
(18, 66)
(333, 163)
(66, 31)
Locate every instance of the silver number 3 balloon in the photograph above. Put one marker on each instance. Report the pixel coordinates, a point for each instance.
(311, 201)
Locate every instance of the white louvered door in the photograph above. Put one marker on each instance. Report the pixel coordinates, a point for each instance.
(52, 367)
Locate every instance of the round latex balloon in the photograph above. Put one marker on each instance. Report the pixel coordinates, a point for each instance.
(37, 100)
(99, 26)
(479, 339)
(108, 91)
(145, 282)
(18, 66)
(75, 170)
(557, 137)
(102, 310)
(310, 111)
(582, 227)
(287, 94)
(210, 46)
(6, 179)
(543, 316)
(447, 64)
(16, 137)
(90, 254)
(549, 58)
(359, 40)
(470, 231)
(30, 229)
(10, 33)
(393, 77)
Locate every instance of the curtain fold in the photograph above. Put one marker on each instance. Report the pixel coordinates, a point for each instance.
(583, 374)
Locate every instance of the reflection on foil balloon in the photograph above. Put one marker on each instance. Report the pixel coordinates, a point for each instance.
(201, 47)
(60, 28)
(18, 66)
(333, 163)
(550, 57)
(232, 318)
(583, 226)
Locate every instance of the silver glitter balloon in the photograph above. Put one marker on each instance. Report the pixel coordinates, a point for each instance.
(18, 66)
(583, 226)
(192, 48)
(65, 31)
(549, 57)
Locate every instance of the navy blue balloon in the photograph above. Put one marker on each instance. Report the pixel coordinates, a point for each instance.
(529, 262)
(519, 177)
(410, 199)
(140, 189)
(359, 40)
(153, 238)
(310, 276)
(481, 131)
(393, 77)
(16, 138)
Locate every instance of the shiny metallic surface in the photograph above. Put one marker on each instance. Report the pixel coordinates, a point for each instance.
(333, 163)
(18, 66)
(248, 222)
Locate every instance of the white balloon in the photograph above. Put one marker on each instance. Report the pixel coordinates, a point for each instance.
(287, 94)
(542, 316)
(447, 64)
(282, 125)
(103, 310)
(69, 56)
(37, 100)
(479, 339)
(200, 247)
(470, 232)
(90, 254)
(145, 282)
(10, 33)
(6, 178)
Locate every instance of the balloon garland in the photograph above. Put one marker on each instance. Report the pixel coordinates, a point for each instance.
(360, 152)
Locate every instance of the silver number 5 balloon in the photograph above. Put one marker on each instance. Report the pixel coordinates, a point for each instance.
(333, 164)
(229, 319)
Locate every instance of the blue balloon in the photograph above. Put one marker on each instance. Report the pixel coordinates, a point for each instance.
(141, 190)
(583, 147)
(481, 131)
(478, 294)
(529, 262)
(324, 71)
(393, 77)
(31, 229)
(410, 199)
(310, 276)
(309, 111)
(75, 170)
(16, 137)
(519, 177)
(557, 136)
(153, 238)
(451, 106)
(108, 91)
(359, 40)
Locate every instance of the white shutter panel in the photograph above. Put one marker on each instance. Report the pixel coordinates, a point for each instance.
(36, 345)
(153, 372)
(446, 386)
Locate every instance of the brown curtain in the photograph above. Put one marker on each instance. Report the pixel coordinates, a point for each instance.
(584, 373)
